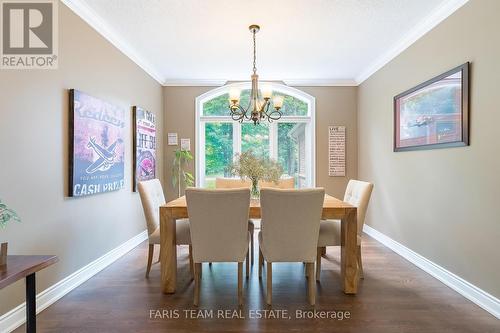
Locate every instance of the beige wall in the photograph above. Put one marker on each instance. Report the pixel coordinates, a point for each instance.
(334, 106)
(442, 203)
(33, 155)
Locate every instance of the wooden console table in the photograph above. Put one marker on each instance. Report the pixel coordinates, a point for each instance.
(19, 267)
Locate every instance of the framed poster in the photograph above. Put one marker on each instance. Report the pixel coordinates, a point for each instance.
(144, 152)
(96, 149)
(336, 151)
(434, 114)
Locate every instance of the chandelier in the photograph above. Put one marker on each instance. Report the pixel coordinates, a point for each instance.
(260, 102)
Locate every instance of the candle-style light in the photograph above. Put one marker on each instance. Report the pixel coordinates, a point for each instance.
(278, 102)
(234, 95)
(260, 100)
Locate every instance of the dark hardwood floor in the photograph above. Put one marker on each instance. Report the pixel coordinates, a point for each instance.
(395, 296)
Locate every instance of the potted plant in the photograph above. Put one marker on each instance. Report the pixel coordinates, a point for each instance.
(249, 166)
(180, 177)
(6, 215)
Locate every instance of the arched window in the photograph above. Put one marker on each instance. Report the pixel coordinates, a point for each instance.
(289, 140)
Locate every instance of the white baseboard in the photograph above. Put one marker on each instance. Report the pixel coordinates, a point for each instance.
(17, 316)
(466, 289)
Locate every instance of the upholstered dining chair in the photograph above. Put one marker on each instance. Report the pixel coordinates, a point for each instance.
(151, 193)
(219, 230)
(358, 194)
(233, 183)
(283, 183)
(290, 227)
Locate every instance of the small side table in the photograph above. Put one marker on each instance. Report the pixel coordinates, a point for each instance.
(19, 267)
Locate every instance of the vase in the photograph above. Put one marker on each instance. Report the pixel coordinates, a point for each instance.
(255, 194)
(3, 254)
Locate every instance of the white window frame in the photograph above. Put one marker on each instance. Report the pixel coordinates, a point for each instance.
(309, 120)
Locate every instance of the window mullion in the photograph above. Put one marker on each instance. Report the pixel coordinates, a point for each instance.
(236, 138)
(273, 140)
(201, 155)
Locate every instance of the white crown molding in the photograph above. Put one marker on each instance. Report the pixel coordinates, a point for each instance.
(193, 83)
(17, 316)
(426, 25)
(81, 9)
(291, 82)
(468, 290)
(321, 82)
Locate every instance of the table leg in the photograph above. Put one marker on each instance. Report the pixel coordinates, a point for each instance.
(30, 303)
(168, 251)
(349, 267)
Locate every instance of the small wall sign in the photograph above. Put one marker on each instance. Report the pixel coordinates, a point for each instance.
(172, 139)
(186, 144)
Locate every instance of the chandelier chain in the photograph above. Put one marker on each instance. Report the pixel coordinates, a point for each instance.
(254, 54)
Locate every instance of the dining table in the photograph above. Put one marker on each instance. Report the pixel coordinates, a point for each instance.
(333, 208)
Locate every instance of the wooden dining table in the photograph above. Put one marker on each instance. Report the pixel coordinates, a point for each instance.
(333, 208)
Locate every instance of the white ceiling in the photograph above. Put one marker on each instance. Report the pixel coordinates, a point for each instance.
(301, 41)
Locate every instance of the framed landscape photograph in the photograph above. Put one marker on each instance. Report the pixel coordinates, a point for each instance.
(144, 152)
(434, 114)
(96, 152)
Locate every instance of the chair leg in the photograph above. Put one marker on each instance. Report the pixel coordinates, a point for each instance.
(159, 256)
(150, 258)
(311, 283)
(248, 264)
(269, 283)
(360, 263)
(191, 266)
(240, 282)
(318, 263)
(197, 281)
(261, 263)
(251, 248)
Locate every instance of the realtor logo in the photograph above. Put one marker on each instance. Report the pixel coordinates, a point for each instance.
(29, 34)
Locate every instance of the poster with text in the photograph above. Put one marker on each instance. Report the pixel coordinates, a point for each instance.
(96, 154)
(144, 146)
(336, 151)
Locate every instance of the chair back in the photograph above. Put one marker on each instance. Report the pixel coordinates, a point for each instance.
(152, 197)
(219, 224)
(232, 183)
(284, 183)
(358, 194)
(290, 223)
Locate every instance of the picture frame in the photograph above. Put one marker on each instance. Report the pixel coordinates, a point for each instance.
(96, 145)
(434, 114)
(144, 146)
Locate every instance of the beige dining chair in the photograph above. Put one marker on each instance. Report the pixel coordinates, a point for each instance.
(358, 194)
(151, 193)
(219, 230)
(283, 183)
(290, 227)
(233, 183)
